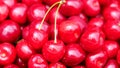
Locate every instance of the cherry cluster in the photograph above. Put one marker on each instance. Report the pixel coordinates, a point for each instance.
(59, 33)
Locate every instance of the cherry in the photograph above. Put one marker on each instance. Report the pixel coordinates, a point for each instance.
(91, 7)
(10, 31)
(111, 48)
(30, 2)
(80, 66)
(52, 14)
(7, 53)
(69, 32)
(92, 39)
(83, 16)
(96, 59)
(50, 2)
(18, 13)
(20, 63)
(36, 12)
(4, 11)
(57, 65)
(37, 38)
(25, 32)
(37, 61)
(52, 51)
(112, 29)
(112, 63)
(11, 66)
(24, 50)
(118, 56)
(72, 7)
(74, 55)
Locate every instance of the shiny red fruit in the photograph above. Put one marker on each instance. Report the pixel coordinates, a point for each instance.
(74, 55)
(57, 65)
(10, 31)
(24, 50)
(20, 63)
(53, 52)
(79, 66)
(69, 31)
(7, 53)
(50, 2)
(18, 13)
(25, 32)
(37, 61)
(30, 2)
(11, 66)
(96, 59)
(118, 56)
(4, 11)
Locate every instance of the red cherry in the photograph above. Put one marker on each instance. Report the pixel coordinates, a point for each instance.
(92, 39)
(25, 32)
(20, 63)
(30, 2)
(79, 66)
(72, 7)
(111, 48)
(36, 12)
(37, 61)
(11, 66)
(53, 52)
(83, 16)
(118, 56)
(74, 55)
(112, 29)
(10, 31)
(18, 13)
(91, 7)
(69, 31)
(24, 50)
(37, 38)
(57, 65)
(4, 11)
(111, 64)
(52, 14)
(50, 2)
(7, 53)
(96, 59)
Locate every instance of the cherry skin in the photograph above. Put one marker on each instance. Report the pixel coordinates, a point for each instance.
(112, 63)
(111, 48)
(4, 11)
(74, 55)
(9, 3)
(11, 66)
(83, 16)
(91, 7)
(92, 39)
(25, 32)
(10, 31)
(20, 63)
(53, 52)
(79, 66)
(69, 31)
(30, 2)
(52, 14)
(57, 65)
(118, 56)
(7, 53)
(18, 13)
(24, 50)
(37, 61)
(112, 29)
(36, 12)
(72, 7)
(96, 59)
(50, 2)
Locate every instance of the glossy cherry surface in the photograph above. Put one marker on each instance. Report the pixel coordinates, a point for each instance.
(57, 65)
(20, 63)
(11, 66)
(50, 2)
(30, 2)
(79, 66)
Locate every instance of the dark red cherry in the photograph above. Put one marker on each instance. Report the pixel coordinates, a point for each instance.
(111, 48)
(11, 66)
(52, 51)
(91, 7)
(4, 11)
(37, 61)
(112, 29)
(36, 12)
(57, 65)
(96, 59)
(24, 50)
(20, 63)
(72, 7)
(74, 55)
(111, 63)
(10, 31)
(52, 15)
(118, 56)
(69, 31)
(50, 2)
(92, 39)
(79, 66)
(7, 53)
(18, 13)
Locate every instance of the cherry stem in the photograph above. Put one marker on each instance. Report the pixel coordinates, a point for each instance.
(47, 14)
(55, 23)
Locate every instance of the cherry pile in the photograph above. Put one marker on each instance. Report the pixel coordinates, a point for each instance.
(59, 33)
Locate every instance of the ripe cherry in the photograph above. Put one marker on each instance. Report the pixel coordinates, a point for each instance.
(20, 63)
(50, 2)
(57, 65)
(11, 66)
